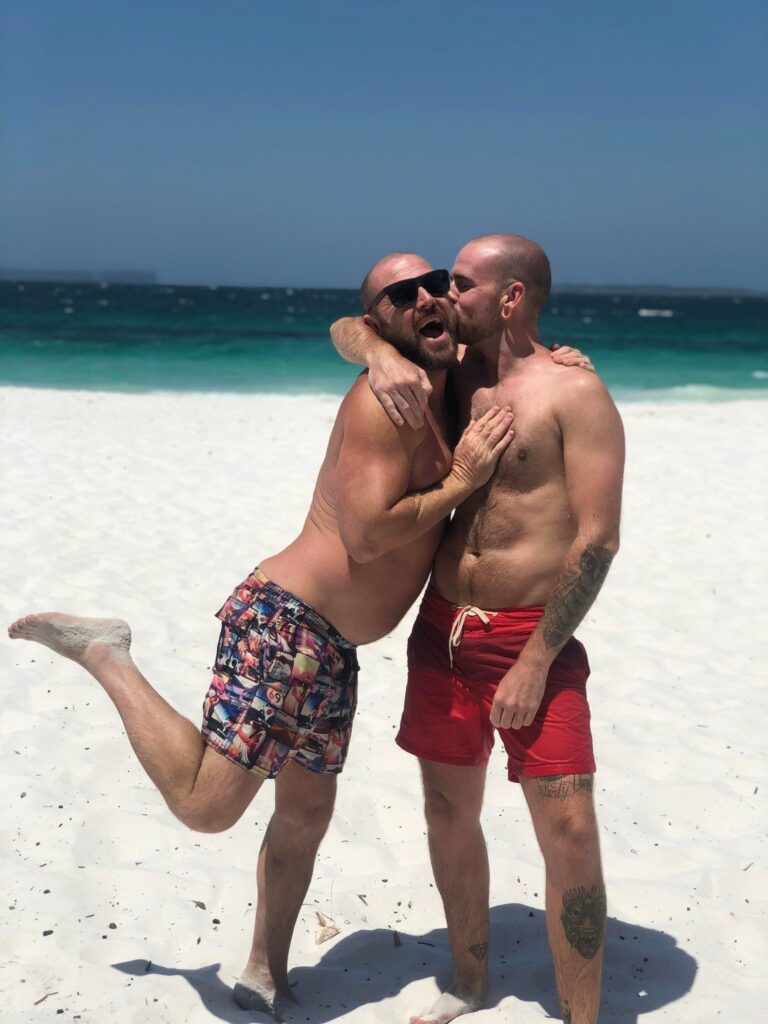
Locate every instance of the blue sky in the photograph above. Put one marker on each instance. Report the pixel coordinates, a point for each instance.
(250, 143)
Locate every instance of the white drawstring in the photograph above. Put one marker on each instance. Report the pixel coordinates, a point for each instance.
(457, 629)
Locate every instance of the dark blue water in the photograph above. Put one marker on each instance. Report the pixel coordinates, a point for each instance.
(139, 338)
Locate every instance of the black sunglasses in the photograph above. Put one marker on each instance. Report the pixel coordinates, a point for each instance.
(404, 293)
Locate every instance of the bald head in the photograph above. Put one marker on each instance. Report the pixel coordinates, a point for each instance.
(514, 258)
(395, 266)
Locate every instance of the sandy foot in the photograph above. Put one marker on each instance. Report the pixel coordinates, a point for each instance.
(72, 636)
(251, 994)
(448, 1007)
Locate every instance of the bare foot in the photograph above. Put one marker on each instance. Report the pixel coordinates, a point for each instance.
(253, 992)
(450, 1005)
(72, 636)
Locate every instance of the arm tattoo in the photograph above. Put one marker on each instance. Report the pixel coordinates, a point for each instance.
(574, 592)
(583, 919)
(561, 786)
(479, 951)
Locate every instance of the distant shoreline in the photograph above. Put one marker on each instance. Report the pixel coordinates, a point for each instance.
(148, 279)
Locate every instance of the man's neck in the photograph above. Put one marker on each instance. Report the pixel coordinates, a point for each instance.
(509, 349)
(437, 379)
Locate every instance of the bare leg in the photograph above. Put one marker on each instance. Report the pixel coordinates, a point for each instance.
(564, 818)
(202, 788)
(453, 799)
(303, 808)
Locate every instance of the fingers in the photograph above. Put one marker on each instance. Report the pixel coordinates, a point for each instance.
(510, 718)
(567, 355)
(390, 409)
(403, 406)
(491, 420)
(410, 407)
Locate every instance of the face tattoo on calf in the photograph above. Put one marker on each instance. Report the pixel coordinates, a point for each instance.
(583, 919)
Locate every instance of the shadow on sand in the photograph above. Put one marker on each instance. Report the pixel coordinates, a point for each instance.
(644, 970)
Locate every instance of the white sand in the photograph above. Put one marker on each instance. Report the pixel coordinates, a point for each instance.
(152, 508)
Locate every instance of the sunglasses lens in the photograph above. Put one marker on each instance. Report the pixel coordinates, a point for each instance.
(437, 282)
(403, 293)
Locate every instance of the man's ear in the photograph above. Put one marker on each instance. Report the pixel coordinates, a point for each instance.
(512, 298)
(370, 322)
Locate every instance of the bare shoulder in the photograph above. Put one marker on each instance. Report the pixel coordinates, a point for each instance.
(362, 415)
(580, 397)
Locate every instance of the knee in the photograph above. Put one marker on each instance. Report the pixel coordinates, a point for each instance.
(207, 819)
(443, 810)
(307, 817)
(574, 836)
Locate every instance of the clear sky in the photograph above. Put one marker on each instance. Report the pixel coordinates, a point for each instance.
(293, 143)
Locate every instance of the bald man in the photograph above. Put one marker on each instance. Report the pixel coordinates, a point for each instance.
(282, 699)
(492, 651)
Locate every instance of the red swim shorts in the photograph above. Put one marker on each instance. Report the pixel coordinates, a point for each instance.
(446, 717)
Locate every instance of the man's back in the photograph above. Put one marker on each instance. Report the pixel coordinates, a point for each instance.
(506, 543)
(363, 599)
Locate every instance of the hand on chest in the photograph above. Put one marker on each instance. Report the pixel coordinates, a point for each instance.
(536, 448)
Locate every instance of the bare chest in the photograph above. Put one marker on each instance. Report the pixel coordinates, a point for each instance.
(535, 456)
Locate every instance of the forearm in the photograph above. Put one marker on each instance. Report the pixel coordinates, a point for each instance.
(584, 571)
(409, 518)
(356, 341)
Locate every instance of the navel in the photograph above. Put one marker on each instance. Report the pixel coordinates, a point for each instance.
(522, 455)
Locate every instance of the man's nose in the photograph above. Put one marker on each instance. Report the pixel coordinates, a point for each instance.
(423, 297)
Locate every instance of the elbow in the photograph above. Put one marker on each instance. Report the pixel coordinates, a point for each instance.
(360, 545)
(361, 553)
(603, 540)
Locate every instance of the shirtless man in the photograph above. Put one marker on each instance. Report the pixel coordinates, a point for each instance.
(492, 648)
(283, 694)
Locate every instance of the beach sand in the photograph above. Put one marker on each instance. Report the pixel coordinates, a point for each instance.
(152, 507)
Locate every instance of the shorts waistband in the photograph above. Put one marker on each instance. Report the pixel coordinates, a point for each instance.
(292, 606)
(441, 611)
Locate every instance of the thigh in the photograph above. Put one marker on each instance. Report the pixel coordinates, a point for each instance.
(562, 808)
(222, 791)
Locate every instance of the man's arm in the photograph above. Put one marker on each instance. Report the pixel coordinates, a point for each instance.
(593, 450)
(402, 387)
(376, 514)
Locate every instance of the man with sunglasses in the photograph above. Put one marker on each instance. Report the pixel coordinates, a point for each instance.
(284, 689)
(492, 647)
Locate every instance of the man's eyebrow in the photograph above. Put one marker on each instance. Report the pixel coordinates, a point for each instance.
(462, 277)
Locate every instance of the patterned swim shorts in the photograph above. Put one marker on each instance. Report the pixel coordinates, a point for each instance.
(284, 685)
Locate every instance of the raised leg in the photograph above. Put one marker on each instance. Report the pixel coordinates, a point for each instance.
(453, 799)
(204, 790)
(303, 807)
(563, 816)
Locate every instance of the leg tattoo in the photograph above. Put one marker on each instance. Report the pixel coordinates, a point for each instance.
(583, 919)
(479, 951)
(561, 786)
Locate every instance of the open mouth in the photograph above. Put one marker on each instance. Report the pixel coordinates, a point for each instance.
(432, 329)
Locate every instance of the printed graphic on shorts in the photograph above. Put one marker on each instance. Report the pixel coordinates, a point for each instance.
(281, 690)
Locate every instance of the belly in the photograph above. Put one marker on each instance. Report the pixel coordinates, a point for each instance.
(506, 553)
(363, 601)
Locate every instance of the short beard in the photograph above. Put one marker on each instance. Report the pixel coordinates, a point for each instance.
(476, 332)
(410, 347)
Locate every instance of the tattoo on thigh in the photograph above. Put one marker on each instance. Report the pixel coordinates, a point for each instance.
(561, 786)
(583, 919)
(479, 951)
(574, 593)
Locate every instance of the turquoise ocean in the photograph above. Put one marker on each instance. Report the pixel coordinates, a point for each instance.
(157, 337)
